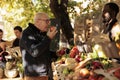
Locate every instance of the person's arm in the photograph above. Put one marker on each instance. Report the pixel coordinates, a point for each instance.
(1, 51)
(2, 47)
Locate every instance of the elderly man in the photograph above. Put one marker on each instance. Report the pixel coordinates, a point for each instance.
(34, 45)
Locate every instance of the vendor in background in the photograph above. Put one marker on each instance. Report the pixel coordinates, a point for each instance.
(18, 33)
(2, 47)
(2, 43)
(112, 27)
(1, 36)
(3, 52)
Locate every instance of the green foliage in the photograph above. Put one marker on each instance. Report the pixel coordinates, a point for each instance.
(21, 12)
(106, 63)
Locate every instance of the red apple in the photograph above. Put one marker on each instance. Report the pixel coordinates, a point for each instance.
(78, 58)
(72, 54)
(52, 28)
(61, 52)
(96, 65)
(117, 73)
(74, 51)
(93, 77)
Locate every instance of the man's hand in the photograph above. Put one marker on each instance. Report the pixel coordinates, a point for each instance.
(52, 32)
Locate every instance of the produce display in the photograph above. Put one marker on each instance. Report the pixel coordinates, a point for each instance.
(76, 65)
(13, 65)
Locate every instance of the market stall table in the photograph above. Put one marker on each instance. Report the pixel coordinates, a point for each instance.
(11, 79)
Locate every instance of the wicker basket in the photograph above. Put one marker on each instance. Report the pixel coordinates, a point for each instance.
(1, 73)
(11, 73)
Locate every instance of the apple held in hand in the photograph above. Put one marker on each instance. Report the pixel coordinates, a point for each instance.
(52, 28)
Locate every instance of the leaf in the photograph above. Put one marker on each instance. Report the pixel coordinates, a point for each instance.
(59, 1)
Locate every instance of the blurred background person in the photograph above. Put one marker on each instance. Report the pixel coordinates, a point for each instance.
(2, 50)
(18, 33)
(1, 36)
(112, 27)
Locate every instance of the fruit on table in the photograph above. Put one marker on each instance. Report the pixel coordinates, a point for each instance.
(61, 52)
(78, 58)
(93, 76)
(117, 73)
(101, 78)
(82, 64)
(85, 73)
(74, 52)
(96, 65)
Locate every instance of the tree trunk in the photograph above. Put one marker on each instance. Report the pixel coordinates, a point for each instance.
(59, 9)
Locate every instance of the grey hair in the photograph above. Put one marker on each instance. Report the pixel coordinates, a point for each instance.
(39, 15)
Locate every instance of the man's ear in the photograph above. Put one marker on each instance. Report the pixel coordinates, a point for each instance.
(113, 14)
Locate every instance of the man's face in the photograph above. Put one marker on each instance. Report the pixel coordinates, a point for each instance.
(44, 23)
(1, 35)
(17, 33)
(106, 15)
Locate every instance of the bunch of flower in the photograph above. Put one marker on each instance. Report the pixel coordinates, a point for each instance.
(20, 65)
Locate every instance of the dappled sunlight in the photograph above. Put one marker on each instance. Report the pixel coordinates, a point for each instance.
(80, 21)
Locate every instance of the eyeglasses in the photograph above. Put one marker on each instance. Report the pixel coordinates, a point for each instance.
(46, 20)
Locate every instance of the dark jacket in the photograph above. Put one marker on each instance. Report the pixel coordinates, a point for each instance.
(34, 46)
(15, 43)
(2, 40)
